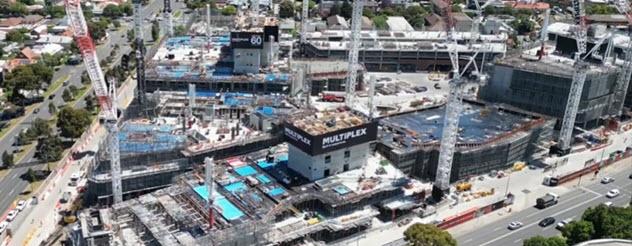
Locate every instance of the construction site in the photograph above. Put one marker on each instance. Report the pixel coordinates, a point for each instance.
(239, 144)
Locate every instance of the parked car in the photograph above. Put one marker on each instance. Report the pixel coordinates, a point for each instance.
(65, 197)
(21, 205)
(3, 226)
(547, 221)
(613, 193)
(606, 180)
(11, 215)
(563, 223)
(514, 225)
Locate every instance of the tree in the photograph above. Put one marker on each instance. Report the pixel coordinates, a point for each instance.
(116, 23)
(610, 222)
(55, 11)
(155, 31)
(380, 21)
(424, 234)
(346, 9)
(17, 35)
(52, 109)
(66, 95)
(27, 77)
(112, 10)
(130, 35)
(522, 25)
(97, 29)
(578, 231)
(543, 241)
(179, 30)
(39, 128)
(335, 9)
(126, 9)
(7, 159)
(85, 79)
(196, 4)
(600, 9)
(49, 149)
(17, 9)
(229, 10)
(91, 103)
(73, 122)
(286, 9)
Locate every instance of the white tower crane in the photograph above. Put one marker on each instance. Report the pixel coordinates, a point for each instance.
(544, 32)
(623, 80)
(106, 100)
(453, 108)
(577, 84)
(168, 16)
(210, 186)
(356, 20)
(304, 18)
(140, 53)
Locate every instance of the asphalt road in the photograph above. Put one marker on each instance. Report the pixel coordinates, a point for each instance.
(11, 185)
(571, 205)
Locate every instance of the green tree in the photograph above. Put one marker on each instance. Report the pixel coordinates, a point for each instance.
(600, 9)
(31, 175)
(126, 9)
(85, 79)
(17, 35)
(578, 231)
(97, 29)
(424, 234)
(543, 241)
(27, 77)
(286, 9)
(52, 109)
(346, 9)
(66, 95)
(39, 128)
(49, 149)
(380, 21)
(91, 103)
(610, 222)
(179, 30)
(112, 11)
(55, 11)
(229, 10)
(116, 23)
(155, 31)
(17, 9)
(522, 25)
(74, 90)
(130, 35)
(7, 159)
(73, 122)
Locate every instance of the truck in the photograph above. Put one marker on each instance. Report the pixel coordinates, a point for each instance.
(547, 200)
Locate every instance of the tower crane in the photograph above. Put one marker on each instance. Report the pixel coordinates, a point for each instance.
(105, 99)
(544, 33)
(623, 80)
(140, 53)
(356, 19)
(168, 18)
(304, 18)
(209, 164)
(453, 107)
(577, 84)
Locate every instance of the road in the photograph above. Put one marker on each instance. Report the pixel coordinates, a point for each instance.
(571, 205)
(11, 185)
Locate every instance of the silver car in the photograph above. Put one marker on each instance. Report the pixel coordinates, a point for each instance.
(514, 225)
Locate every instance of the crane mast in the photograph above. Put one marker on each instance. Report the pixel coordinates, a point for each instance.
(105, 99)
(304, 18)
(208, 180)
(544, 33)
(356, 19)
(577, 84)
(453, 110)
(140, 53)
(168, 17)
(623, 79)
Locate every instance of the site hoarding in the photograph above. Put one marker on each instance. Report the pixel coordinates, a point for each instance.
(340, 139)
(246, 40)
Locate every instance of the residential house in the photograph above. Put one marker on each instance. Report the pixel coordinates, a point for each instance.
(398, 24)
(435, 22)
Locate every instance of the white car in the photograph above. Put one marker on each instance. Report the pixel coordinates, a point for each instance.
(613, 193)
(606, 180)
(11, 215)
(563, 223)
(514, 225)
(21, 205)
(3, 226)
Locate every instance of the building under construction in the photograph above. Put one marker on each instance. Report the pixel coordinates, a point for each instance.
(257, 200)
(543, 86)
(491, 137)
(404, 51)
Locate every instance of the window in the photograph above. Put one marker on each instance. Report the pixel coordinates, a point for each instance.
(328, 159)
(345, 167)
(326, 173)
(347, 154)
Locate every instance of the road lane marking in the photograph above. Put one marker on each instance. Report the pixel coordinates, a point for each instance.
(469, 240)
(12, 190)
(498, 228)
(589, 190)
(518, 240)
(553, 215)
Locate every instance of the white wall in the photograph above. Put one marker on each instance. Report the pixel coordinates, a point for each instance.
(313, 167)
(246, 61)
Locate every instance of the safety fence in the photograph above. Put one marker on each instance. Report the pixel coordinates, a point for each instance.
(475, 213)
(594, 167)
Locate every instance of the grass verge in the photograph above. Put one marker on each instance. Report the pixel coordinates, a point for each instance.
(55, 86)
